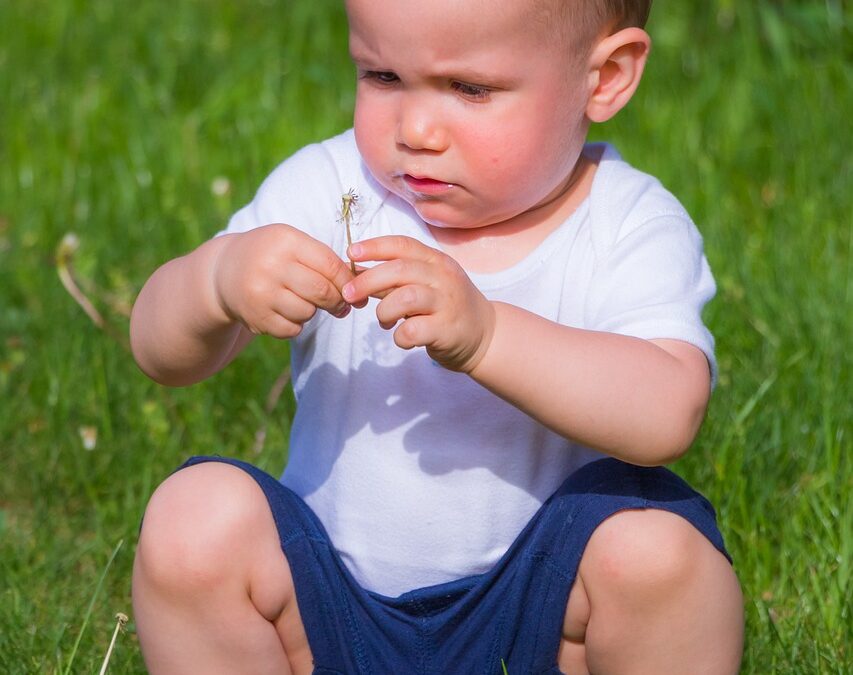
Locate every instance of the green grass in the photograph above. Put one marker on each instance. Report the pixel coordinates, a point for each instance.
(114, 122)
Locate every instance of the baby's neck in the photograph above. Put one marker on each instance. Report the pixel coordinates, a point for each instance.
(491, 249)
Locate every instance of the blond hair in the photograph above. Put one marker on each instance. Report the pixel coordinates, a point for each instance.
(618, 14)
(581, 22)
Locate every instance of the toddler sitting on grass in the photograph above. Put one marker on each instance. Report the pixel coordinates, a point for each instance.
(484, 404)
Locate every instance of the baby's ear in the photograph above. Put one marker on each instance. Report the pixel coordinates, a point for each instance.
(616, 67)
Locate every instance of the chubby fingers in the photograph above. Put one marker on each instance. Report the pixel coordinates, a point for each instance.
(389, 248)
(409, 301)
(319, 276)
(317, 290)
(405, 261)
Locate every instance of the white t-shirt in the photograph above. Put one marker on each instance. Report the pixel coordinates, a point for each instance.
(419, 474)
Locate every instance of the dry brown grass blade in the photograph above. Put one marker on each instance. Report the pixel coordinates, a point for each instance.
(272, 400)
(65, 269)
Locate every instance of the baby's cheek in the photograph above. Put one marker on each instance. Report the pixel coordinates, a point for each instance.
(371, 138)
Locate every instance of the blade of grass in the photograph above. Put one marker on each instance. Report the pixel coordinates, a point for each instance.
(91, 607)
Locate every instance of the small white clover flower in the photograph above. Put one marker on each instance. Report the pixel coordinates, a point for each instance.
(220, 186)
(89, 437)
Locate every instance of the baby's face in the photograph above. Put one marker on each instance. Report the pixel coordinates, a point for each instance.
(470, 111)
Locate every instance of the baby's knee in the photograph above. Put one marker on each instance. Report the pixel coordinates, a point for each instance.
(644, 554)
(196, 525)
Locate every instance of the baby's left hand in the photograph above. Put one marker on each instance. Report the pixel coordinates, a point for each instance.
(425, 288)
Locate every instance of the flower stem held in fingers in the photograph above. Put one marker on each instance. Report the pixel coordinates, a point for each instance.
(348, 201)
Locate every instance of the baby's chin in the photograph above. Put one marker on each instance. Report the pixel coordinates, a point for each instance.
(442, 216)
(446, 223)
(448, 219)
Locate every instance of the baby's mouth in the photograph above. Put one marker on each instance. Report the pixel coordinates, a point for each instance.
(426, 185)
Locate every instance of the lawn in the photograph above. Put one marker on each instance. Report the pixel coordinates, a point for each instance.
(140, 128)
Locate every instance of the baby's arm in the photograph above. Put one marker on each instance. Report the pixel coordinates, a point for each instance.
(197, 312)
(638, 400)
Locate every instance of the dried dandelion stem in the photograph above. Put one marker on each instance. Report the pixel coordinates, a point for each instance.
(121, 621)
(65, 269)
(348, 201)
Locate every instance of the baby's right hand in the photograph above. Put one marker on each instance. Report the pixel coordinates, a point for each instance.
(274, 278)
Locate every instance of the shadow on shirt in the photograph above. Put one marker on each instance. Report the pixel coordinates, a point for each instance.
(379, 413)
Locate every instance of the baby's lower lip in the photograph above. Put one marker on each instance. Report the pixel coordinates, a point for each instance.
(426, 185)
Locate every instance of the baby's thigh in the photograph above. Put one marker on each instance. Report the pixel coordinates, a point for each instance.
(208, 526)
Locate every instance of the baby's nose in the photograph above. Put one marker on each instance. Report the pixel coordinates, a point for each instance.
(419, 125)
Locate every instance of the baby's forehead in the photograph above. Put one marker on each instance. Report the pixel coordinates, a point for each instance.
(512, 24)
(569, 21)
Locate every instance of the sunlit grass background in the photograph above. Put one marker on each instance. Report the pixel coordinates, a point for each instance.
(141, 126)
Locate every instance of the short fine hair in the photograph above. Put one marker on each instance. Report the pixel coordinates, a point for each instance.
(619, 14)
(582, 21)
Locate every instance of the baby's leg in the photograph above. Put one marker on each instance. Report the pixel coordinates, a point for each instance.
(212, 591)
(652, 595)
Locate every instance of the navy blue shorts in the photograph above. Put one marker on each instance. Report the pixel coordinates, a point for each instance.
(512, 614)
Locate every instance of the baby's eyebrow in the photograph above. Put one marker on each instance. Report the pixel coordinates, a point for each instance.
(467, 74)
(366, 62)
(363, 57)
(492, 80)
(471, 74)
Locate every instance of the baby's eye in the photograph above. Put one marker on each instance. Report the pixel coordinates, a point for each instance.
(472, 91)
(380, 76)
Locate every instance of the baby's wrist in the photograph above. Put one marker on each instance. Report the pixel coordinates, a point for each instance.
(215, 308)
(487, 322)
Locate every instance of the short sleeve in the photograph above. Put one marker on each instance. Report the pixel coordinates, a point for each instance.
(653, 284)
(303, 191)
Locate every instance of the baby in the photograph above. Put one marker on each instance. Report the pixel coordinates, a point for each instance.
(487, 395)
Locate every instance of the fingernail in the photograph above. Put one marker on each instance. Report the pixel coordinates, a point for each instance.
(344, 312)
(348, 292)
(355, 250)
